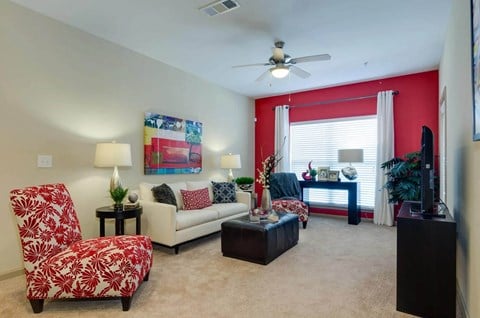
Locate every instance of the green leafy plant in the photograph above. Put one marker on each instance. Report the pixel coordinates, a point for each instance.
(245, 183)
(118, 194)
(244, 180)
(404, 176)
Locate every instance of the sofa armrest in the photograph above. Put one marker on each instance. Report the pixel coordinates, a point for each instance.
(244, 197)
(159, 221)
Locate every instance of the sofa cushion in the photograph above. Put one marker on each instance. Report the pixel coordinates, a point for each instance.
(145, 191)
(186, 219)
(228, 209)
(176, 187)
(195, 185)
(224, 192)
(164, 194)
(195, 199)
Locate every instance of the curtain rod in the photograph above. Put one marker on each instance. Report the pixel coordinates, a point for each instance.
(340, 100)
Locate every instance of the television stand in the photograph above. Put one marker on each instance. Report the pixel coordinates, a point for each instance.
(426, 263)
(438, 210)
(432, 215)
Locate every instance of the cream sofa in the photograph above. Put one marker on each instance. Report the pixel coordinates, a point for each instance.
(171, 226)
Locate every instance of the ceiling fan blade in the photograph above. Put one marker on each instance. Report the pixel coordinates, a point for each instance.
(248, 65)
(262, 77)
(311, 58)
(299, 72)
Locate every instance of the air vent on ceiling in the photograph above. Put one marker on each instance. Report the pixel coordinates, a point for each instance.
(219, 7)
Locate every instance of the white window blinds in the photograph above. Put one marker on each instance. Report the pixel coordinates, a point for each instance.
(319, 141)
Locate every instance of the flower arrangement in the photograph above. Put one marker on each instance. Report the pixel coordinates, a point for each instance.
(267, 167)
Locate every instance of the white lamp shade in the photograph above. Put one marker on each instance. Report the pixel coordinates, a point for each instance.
(350, 155)
(279, 71)
(113, 154)
(230, 162)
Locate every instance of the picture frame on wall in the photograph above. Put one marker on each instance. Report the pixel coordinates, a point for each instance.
(323, 173)
(171, 145)
(475, 9)
(333, 175)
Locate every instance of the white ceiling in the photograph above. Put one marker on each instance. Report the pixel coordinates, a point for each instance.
(367, 39)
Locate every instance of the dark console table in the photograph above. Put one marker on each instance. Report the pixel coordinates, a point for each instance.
(426, 249)
(351, 187)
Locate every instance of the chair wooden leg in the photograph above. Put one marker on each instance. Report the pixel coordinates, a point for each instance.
(37, 305)
(176, 249)
(126, 301)
(304, 224)
(145, 279)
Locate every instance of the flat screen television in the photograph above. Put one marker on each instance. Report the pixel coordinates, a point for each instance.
(427, 189)
(427, 207)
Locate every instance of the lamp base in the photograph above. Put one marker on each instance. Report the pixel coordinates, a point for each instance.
(230, 177)
(350, 173)
(115, 181)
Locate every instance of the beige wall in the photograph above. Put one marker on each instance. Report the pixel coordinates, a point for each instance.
(463, 155)
(63, 90)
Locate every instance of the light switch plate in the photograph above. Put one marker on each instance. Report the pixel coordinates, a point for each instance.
(44, 161)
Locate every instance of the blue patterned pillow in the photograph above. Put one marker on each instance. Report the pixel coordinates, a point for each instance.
(224, 192)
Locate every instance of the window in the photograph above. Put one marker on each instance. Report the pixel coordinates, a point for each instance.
(319, 141)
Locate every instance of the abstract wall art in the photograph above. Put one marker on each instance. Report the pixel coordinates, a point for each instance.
(475, 7)
(171, 145)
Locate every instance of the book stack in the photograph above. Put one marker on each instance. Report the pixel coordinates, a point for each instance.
(131, 205)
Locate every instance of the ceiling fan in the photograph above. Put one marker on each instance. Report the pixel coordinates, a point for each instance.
(283, 63)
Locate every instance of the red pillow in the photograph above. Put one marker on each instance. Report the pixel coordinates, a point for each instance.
(195, 199)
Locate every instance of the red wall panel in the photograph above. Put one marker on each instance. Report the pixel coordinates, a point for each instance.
(414, 106)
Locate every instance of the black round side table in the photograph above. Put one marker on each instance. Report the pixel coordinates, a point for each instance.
(107, 212)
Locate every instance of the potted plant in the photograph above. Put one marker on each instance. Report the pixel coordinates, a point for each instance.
(118, 195)
(404, 177)
(245, 183)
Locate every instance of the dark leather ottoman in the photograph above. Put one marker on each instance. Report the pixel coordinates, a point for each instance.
(259, 242)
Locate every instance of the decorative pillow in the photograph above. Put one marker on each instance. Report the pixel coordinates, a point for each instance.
(195, 199)
(224, 192)
(195, 185)
(164, 194)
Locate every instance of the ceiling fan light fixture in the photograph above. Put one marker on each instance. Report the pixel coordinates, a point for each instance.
(279, 71)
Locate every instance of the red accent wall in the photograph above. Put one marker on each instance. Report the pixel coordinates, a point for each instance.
(414, 106)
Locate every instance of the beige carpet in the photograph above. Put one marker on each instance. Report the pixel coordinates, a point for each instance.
(336, 270)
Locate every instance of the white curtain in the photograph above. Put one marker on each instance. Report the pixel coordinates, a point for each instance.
(282, 137)
(383, 212)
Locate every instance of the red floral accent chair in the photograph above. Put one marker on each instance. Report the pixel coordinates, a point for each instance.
(59, 264)
(286, 195)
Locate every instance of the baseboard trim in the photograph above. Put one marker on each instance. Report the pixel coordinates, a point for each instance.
(364, 214)
(11, 274)
(176, 247)
(462, 306)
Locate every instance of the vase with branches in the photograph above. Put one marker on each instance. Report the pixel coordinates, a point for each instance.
(264, 179)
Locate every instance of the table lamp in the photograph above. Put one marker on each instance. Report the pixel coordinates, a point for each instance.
(113, 155)
(350, 155)
(230, 162)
